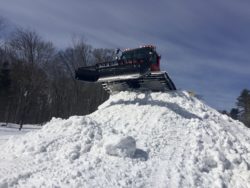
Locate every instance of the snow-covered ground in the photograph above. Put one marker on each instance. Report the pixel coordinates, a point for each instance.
(132, 140)
(8, 130)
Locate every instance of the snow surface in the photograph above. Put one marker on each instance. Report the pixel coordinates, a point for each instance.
(8, 130)
(132, 140)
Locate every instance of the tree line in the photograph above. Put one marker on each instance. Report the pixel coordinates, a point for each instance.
(242, 111)
(37, 79)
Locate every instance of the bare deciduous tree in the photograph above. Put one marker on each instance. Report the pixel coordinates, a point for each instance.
(28, 47)
(2, 25)
(101, 55)
(76, 56)
(31, 53)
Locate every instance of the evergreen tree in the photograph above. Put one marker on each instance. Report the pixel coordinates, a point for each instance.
(243, 103)
(234, 113)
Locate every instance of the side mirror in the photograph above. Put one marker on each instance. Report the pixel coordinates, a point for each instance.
(117, 51)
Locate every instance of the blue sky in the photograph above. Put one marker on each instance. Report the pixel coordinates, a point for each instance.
(205, 45)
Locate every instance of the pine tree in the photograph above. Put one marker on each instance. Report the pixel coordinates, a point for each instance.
(243, 103)
(234, 113)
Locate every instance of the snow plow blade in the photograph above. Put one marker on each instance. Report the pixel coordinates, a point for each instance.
(111, 71)
(88, 74)
(154, 81)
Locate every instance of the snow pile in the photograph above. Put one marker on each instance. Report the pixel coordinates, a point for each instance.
(133, 140)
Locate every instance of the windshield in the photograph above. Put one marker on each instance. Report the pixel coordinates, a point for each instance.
(140, 53)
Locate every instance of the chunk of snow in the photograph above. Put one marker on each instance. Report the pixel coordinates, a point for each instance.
(121, 146)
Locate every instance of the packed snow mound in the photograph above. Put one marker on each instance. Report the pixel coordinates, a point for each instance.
(133, 140)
